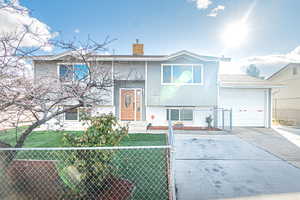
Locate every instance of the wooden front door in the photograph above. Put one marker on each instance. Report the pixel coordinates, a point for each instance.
(131, 104)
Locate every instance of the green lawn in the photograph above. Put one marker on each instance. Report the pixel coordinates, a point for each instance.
(54, 138)
(146, 168)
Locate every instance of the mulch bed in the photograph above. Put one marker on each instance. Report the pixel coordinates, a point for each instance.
(39, 179)
(184, 128)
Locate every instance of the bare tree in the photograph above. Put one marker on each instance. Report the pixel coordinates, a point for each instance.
(47, 97)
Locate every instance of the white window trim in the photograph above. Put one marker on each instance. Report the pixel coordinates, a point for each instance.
(162, 75)
(66, 63)
(77, 120)
(135, 92)
(181, 108)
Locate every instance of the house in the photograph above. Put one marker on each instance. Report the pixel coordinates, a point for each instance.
(183, 86)
(286, 100)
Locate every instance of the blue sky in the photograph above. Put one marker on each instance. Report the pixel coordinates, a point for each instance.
(167, 26)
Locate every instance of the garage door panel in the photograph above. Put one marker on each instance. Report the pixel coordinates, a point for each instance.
(248, 106)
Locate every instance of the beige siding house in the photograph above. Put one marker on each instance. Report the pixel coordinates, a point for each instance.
(286, 100)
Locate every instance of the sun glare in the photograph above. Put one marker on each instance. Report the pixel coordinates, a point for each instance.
(235, 34)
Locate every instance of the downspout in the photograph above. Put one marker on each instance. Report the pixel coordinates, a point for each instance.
(113, 86)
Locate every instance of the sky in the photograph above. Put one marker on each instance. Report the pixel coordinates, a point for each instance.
(167, 26)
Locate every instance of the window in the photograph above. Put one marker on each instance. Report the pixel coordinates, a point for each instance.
(181, 74)
(74, 72)
(72, 115)
(180, 114)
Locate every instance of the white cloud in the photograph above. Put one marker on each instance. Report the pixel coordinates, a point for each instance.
(76, 30)
(202, 4)
(16, 20)
(214, 12)
(267, 64)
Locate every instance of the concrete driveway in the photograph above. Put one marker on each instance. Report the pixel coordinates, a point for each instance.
(227, 167)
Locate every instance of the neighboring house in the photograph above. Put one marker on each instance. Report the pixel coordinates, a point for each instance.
(179, 86)
(286, 100)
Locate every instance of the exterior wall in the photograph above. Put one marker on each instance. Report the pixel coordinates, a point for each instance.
(59, 123)
(129, 70)
(157, 116)
(49, 69)
(182, 95)
(286, 100)
(45, 69)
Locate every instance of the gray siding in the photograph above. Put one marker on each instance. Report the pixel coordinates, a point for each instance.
(157, 94)
(129, 70)
(45, 69)
(184, 95)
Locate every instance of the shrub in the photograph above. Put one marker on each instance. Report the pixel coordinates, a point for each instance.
(92, 168)
(209, 120)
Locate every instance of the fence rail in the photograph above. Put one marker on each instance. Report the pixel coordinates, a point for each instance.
(138, 172)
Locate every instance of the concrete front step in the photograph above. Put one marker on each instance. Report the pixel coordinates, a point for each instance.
(136, 126)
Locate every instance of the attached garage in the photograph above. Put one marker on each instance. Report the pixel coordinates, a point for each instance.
(249, 98)
(249, 106)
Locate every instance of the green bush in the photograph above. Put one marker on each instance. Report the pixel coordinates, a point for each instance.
(209, 121)
(88, 170)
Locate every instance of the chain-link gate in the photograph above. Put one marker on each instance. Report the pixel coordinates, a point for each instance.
(220, 118)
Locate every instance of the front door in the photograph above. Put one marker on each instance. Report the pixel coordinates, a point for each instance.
(131, 104)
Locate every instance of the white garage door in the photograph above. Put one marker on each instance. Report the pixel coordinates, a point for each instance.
(248, 106)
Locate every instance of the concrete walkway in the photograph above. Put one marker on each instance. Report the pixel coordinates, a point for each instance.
(227, 167)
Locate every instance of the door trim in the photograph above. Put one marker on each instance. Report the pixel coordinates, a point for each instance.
(141, 100)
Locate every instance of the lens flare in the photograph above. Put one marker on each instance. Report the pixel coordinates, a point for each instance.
(235, 34)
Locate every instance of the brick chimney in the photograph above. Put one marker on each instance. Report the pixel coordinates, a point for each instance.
(137, 49)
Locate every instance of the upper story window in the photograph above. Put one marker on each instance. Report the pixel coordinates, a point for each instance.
(182, 74)
(73, 72)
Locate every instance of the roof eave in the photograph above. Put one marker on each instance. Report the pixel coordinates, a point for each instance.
(252, 86)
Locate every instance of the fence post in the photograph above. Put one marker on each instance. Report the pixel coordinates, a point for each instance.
(223, 120)
(215, 117)
(171, 141)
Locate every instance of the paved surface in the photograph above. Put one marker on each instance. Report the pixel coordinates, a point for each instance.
(227, 167)
(280, 141)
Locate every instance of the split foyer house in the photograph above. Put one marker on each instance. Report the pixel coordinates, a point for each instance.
(183, 86)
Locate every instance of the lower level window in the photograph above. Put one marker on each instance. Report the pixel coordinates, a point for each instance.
(180, 114)
(72, 115)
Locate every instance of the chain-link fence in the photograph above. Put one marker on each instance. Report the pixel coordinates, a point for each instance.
(111, 173)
